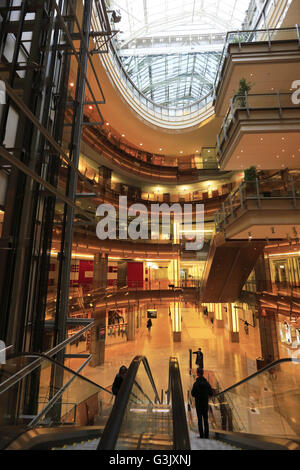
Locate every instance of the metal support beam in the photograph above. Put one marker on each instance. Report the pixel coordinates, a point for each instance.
(66, 244)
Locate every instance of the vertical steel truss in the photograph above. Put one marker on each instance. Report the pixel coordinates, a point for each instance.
(37, 90)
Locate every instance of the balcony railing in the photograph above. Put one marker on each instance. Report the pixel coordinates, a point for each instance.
(268, 36)
(280, 288)
(252, 102)
(276, 187)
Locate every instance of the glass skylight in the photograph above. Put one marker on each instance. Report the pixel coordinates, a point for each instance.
(171, 48)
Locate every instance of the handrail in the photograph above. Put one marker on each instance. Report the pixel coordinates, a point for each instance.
(262, 191)
(30, 367)
(249, 441)
(166, 108)
(114, 423)
(237, 104)
(255, 374)
(163, 112)
(227, 43)
(57, 395)
(44, 356)
(181, 439)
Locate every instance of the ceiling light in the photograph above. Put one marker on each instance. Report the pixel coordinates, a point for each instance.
(160, 149)
(141, 144)
(90, 107)
(107, 123)
(123, 135)
(72, 84)
(197, 151)
(181, 151)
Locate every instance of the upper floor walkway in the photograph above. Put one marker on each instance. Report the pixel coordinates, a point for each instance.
(263, 208)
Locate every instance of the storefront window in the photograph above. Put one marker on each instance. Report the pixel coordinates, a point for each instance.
(289, 334)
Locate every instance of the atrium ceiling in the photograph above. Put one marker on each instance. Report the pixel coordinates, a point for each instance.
(171, 48)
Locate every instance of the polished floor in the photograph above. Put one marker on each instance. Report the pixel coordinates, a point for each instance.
(229, 361)
(224, 362)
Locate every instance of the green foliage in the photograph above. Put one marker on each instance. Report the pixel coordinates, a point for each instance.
(250, 174)
(244, 87)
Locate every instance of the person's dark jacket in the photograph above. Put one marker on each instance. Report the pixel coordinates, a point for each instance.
(117, 384)
(201, 391)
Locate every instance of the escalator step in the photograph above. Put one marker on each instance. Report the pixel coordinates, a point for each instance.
(90, 444)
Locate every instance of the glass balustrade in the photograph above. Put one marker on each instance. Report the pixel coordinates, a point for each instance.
(265, 404)
(49, 394)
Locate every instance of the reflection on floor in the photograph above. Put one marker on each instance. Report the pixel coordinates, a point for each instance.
(229, 361)
(226, 361)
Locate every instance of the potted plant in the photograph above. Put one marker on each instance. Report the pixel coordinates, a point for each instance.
(250, 175)
(240, 96)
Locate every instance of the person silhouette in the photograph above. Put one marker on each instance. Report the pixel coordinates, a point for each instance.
(201, 391)
(199, 358)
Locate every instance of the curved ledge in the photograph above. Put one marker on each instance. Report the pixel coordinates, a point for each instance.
(99, 142)
(158, 115)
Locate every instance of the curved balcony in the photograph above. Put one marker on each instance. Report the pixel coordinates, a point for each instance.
(262, 209)
(159, 115)
(212, 199)
(272, 52)
(146, 165)
(253, 120)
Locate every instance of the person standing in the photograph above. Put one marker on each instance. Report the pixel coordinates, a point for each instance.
(149, 325)
(199, 358)
(119, 380)
(201, 391)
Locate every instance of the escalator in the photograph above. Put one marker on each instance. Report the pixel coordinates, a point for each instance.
(140, 420)
(228, 266)
(260, 412)
(75, 413)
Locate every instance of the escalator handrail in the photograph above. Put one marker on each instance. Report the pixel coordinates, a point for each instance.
(257, 441)
(30, 367)
(115, 420)
(255, 374)
(181, 439)
(50, 359)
